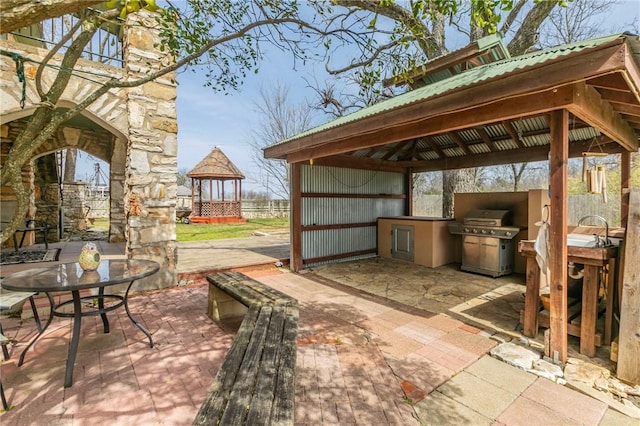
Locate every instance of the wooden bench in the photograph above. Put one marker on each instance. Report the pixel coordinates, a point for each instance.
(255, 384)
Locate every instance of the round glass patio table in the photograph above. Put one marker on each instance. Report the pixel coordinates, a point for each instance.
(70, 277)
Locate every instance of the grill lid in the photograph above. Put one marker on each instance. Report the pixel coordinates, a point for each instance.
(486, 217)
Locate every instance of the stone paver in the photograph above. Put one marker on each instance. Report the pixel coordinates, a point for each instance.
(501, 375)
(561, 399)
(615, 418)
(477, 394)
(439, 409)
(526, 412)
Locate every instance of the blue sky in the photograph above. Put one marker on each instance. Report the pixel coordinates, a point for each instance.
(207, 119)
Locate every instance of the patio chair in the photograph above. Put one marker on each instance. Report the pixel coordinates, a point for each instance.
(8, 300)
(31, 225)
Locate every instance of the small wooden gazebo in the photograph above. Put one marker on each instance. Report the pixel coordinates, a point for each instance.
(208, 179)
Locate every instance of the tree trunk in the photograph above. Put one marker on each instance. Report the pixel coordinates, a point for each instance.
(462, 180)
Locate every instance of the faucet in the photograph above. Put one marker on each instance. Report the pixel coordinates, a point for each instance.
(606, 229)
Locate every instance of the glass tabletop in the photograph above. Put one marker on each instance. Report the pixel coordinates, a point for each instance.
(70, 276)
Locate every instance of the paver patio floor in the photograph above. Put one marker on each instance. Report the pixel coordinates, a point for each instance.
(362, 359)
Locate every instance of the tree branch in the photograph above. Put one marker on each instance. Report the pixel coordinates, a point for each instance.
(527, 34)
(16, 14)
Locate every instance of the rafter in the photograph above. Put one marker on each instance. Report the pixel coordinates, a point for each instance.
(434, 146)
(485, 138)
(514, 135)
(458, 140)
(589, 106)
(393, 151)
(537, 153)
(380, 134)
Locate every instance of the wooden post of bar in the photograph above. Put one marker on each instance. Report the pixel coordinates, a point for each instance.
(558, 234)
(409, 192)
(629, 339)
(625, 184)
(296, 217)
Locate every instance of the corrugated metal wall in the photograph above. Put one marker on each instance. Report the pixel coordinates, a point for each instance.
(319, 208)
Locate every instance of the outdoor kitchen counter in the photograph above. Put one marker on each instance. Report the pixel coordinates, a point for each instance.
(594, 260)
(419, 218)
(419, 239)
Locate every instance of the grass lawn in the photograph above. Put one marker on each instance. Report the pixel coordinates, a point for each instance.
(199, 232)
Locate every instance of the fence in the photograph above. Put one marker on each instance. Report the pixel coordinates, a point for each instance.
(105, 46)
(579, 206)
(253, 209)
(424, 205)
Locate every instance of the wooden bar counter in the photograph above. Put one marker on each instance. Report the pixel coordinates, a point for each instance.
(593, 259)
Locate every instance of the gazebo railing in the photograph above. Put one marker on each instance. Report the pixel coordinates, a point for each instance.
(217, 208)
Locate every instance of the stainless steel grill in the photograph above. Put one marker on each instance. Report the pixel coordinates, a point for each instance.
(487, 241)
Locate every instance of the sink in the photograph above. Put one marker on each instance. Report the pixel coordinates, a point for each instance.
(580, 240)
(584, 240)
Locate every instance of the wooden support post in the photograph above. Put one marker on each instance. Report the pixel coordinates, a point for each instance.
(625, 184)
(589, 313)
(532, 298)
(239, 198)
(629, 347)
(296, 217)
(558, 234)
(409, 199)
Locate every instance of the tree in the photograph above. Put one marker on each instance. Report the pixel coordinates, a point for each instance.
(182, 178)
(227, 38)
(404, 35)
(280, 120)
(224, 36)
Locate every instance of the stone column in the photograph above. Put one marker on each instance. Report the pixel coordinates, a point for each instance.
(117, 217)
(150, 184)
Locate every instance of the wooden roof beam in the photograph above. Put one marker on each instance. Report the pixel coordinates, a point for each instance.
(393, 151)
(618, 97)
(589, 106)
(461, 144)
(537, 153)
(486, 139)
(512, 132)
(434, 146)
(346, 161)
(610, 82)
(632, 72)
(503, 109)
(411, 152)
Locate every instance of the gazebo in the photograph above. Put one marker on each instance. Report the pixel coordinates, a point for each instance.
(208, 179)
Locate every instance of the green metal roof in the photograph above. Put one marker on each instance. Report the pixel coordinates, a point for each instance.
(468, 78)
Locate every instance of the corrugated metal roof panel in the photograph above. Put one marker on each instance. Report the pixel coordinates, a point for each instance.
(479, 148)
(469, 135)
(428, 155)
(474, 75)
(505, 145)
(536, 140)
(443, 140)
(453, 152)
(583, 134)
(495, 131)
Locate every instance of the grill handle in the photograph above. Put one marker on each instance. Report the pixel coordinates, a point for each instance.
(481, 222)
